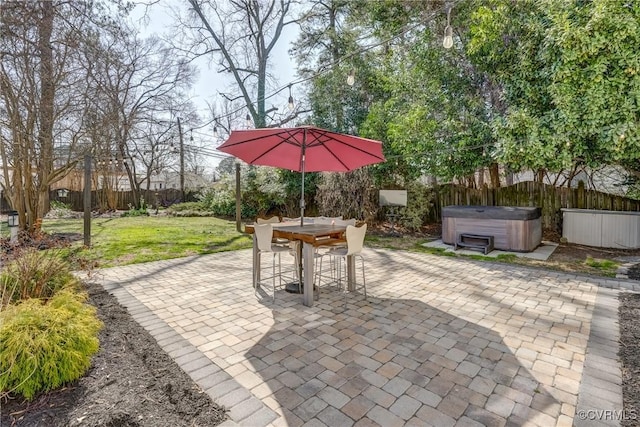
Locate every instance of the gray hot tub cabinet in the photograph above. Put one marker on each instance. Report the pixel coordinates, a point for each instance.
(513, 228)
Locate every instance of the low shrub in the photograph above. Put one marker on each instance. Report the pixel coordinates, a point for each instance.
(186, 206)
(416, 213)
(34, 274)
(189, 209)
(220, 200)
(61, 210)
(141, 211)
(46, 345)
(193, 213)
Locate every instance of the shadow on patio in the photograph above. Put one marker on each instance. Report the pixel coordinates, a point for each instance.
(390, 362)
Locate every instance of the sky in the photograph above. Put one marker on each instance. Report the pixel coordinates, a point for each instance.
(209, 82)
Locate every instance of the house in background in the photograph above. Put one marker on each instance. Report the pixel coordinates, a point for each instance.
(609, 179)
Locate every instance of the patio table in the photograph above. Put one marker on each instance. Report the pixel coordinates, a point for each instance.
(311, 236)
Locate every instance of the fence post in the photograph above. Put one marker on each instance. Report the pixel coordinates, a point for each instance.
(580, 195)
(87, 200)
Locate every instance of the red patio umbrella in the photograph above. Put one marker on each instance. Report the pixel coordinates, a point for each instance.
(303, 149)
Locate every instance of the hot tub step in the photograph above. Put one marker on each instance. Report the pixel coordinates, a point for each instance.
(474, 241)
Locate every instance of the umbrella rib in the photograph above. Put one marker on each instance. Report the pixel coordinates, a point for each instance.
(339, 148)
(282, 135)
(325, 134)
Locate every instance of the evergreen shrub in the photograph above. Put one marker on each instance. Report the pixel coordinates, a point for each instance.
(46, 344)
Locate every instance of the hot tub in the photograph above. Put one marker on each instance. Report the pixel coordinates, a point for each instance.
(513, 228)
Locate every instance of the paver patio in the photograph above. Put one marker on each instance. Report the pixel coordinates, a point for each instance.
(441, 341)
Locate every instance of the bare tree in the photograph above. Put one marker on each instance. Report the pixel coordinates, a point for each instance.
(141, 80)
(40, 98)
(242, 34)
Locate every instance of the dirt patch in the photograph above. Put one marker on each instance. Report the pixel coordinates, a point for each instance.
(132, 382)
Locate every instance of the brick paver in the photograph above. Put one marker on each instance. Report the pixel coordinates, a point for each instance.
(440, 341)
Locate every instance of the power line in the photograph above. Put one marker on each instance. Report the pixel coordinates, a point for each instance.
(331, 66)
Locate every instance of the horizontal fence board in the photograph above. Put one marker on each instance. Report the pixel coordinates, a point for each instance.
(104, 200)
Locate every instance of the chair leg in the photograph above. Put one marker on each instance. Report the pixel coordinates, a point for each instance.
(273, 263)
(344, 290)
(364, 283)
(255, 275)
(296, 263)
(317, 274)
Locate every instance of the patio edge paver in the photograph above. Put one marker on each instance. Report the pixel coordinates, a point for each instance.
(221, 387)
(600, 393)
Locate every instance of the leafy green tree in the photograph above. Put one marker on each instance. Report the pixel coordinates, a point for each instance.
(436, 107)
(571, 78)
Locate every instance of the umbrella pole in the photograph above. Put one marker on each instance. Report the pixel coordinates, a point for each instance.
(304, 142)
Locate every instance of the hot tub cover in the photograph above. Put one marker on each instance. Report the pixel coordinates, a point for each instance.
(492, 212)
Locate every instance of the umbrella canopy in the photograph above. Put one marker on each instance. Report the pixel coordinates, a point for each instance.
(303, 149)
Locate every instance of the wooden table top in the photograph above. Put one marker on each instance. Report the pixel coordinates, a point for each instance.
(316, 234)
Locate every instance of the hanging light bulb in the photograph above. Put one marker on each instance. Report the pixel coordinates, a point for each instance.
(291, 105)
(248, 120)
(351, 78)
(215, 131)
(447, 42)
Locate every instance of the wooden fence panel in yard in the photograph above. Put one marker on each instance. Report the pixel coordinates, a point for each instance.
(549, 198)
(120, 200)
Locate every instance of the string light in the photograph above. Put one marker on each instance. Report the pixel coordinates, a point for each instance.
(447, 42)
(351, 78)
(248, 120)
(215, 129)
(291, 105)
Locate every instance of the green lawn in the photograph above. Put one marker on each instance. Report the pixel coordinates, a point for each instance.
(131, 240)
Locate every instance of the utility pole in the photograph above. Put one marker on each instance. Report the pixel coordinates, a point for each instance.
(181, 161)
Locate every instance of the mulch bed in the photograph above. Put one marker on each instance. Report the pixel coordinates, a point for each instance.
(132, 382)
(634, 272)
(629, 315)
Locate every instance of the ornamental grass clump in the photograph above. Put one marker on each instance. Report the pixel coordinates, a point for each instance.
(45, 344)
(34, 274)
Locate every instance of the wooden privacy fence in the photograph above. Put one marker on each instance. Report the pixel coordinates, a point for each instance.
(548, 197)
(120, 200)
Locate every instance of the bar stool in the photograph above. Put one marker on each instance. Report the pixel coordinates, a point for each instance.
(264, 239)
(355, 243)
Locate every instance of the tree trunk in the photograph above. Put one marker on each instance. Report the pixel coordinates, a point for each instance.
(494, 174)
(509, 178)
(335, 55)
(40, 202)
